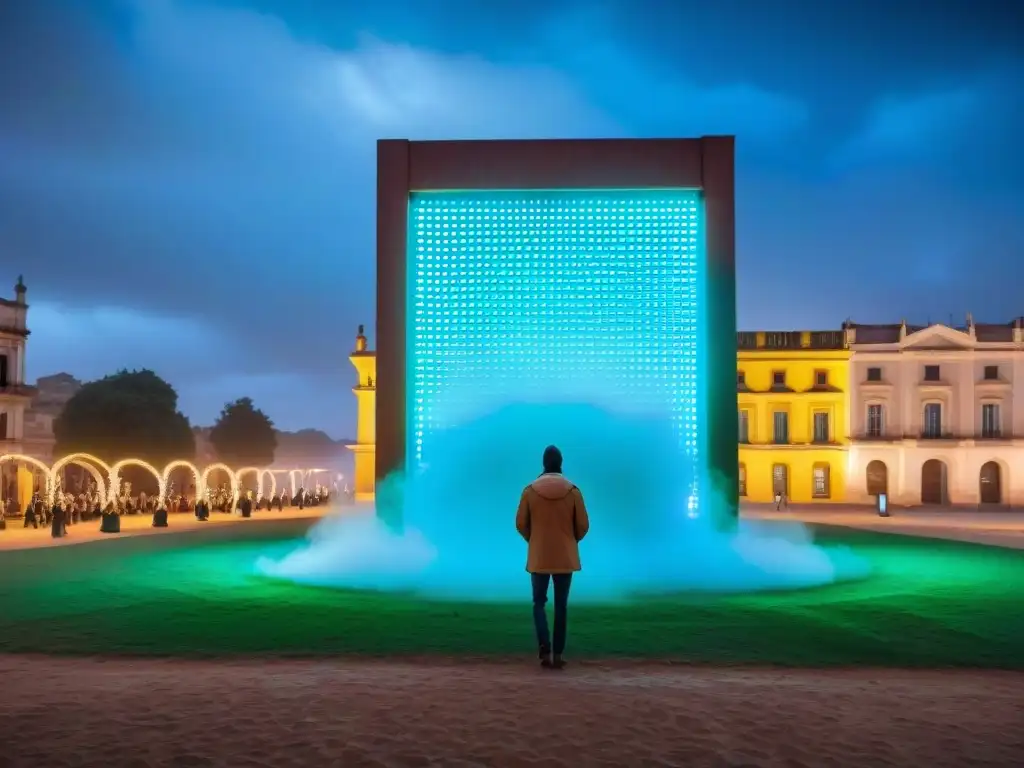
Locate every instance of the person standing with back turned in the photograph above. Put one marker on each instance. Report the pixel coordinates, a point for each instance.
(553, 519)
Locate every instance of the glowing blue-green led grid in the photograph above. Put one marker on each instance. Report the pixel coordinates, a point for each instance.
(510, 291)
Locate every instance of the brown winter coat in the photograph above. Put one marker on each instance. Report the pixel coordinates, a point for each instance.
(553, 519)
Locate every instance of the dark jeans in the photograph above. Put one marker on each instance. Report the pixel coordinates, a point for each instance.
(540, 598)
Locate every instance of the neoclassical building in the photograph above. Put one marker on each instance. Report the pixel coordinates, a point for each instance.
(52, 393)
(792, 391)
(925, 414)
(937, 413)
(14, 393)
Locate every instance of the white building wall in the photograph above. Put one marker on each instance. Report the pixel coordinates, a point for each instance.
(962, 391)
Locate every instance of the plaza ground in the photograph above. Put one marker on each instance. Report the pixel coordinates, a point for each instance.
(301, 713)
(18, 537)
(810, 678)
(995, 528)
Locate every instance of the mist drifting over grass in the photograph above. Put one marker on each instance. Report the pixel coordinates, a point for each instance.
(459, 539)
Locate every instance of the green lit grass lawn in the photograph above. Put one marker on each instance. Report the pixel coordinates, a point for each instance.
(928, 603)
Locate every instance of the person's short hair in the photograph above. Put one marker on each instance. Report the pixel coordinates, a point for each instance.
(552, 459)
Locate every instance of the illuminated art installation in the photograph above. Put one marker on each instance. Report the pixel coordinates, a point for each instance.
(552, 273)
(575, 293)
(498, 284)
(108, 477)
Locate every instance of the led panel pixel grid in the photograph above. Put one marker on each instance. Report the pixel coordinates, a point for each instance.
(514, 294)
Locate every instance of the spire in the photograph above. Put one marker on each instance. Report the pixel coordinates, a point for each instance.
(360, 340)
(19, 290)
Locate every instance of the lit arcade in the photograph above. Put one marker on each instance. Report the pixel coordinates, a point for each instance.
(108, 476)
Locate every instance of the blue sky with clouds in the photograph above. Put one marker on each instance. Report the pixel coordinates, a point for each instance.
(189, 185)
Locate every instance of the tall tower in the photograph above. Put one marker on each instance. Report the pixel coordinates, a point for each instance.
(365, 448)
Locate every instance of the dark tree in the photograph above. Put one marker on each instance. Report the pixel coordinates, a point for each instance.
(244, 435)
(132, 414)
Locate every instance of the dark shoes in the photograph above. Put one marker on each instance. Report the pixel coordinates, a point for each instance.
(551, 662)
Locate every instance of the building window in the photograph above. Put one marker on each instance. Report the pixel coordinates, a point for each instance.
(932, 421)
(780, 480)
(821, 432)
(990, 424)
(874, 374)
(932, 373)
(743, 479)
(821, 378)
(821, 489)
(991, 373)
(875, 426)
(780, 428)
(778, 378)
(3, 428)
(744, 418)
(741, 380)
(3, 370)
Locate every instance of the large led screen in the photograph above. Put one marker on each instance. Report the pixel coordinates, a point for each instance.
(588, 296)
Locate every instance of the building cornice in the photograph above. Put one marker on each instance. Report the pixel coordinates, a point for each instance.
(872, 352)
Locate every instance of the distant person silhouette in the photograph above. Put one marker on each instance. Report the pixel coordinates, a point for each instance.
(553, 519)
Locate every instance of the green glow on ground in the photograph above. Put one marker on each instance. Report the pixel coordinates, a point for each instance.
(929, 603)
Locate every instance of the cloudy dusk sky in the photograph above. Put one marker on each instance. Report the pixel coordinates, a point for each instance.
(189, 186)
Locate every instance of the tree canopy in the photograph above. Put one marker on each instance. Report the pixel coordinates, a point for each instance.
(131, 414)
(244, 435)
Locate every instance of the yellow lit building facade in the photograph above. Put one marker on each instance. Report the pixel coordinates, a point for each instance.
(793, 399)
(365, 448)
(792, 396)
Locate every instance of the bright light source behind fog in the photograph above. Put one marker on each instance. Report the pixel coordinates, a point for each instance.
(460, 541)
(571, 318)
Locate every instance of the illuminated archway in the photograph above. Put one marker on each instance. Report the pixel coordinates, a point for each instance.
(261, 488)
(260, 475)
(297, 482)
(302, 478)
(91, 464)
(178, 464)
(310, 476)
(73, 458)
(20, 457)
(115, 476)
(278, 486)
(232, 479)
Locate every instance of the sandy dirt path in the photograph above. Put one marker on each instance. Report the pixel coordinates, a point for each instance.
(61, 713)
